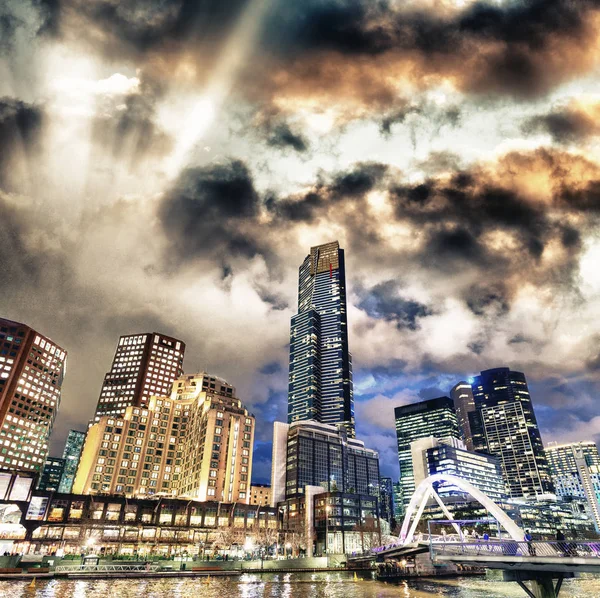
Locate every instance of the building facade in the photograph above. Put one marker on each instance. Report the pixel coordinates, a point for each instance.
(260, 494)
(575, 470)
(320, 369)
(142, 526)
(51, 474)
(144, 365)
(321, 455)
(464, 403)
(71, 456)
(216, 458)
(435, 417)
(196, 443)
(32, 370)
(450, 456)
(504, 425)
(386, 500)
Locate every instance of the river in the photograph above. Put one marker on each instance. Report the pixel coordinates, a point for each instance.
(285, 585)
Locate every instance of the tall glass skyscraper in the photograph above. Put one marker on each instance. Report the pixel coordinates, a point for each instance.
(462, 395)
(504, 425)
(436, 418)
(320, 376)
(71, 456)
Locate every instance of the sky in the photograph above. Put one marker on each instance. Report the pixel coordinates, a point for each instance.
(166, 166)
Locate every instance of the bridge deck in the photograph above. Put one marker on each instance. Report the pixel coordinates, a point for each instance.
(546, 556)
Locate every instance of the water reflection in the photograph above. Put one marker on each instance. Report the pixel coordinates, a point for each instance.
(285, 585)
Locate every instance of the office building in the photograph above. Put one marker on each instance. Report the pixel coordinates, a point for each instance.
(196, 443)
(314, 454)
(504, 425)
(144, 365)
(32, 369)
(260, 494)
(398, 502)
(71, 456)
(51, 474)
(450, 456)
(435, 417)
(386, 500)
(320, 371)
(462, 395)
(575, 470)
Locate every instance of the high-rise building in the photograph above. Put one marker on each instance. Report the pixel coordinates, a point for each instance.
(504, 425)
(435, 417)
(320, 374)
(450, 456)
(386, 499)
(398, 502)
(32, 368)
(71, 456)
(196, 443)
(216, 459)
(144, 365)
(315, 454)
(575, 470)
(51, 474)
(462, 395)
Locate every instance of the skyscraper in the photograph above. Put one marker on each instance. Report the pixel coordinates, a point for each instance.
(462, 395)
(320, 375)
(386, 499)
(144, 365)
(71, 456)
(504, 425)
(315, 454)
(575, 470)
(51, 474)
(436, 418)
(32, 369)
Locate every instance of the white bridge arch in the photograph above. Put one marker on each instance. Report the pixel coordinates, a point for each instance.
(425, 490)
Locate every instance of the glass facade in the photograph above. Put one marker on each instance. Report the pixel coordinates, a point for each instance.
(144, 365)
(320, 369)
(483, 471)
(386, 500)
(323, 455)
(462, 395)
(575, 470)
(51, 474)
(505, 425)
(436, 418)
(71, 456)
(32, 369)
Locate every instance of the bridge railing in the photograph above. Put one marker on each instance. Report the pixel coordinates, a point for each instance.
(111, 568)
(511, 548)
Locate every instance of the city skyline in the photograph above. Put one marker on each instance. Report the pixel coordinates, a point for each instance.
(389, 469)
(166, 171)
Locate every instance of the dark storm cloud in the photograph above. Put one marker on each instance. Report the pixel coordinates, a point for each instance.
(566, 125)
(345, 186)
(511, 46)
(129, 131)
(384, 301)
(483, 299)
(204, 213)
(156, 28)
(20, 130)
(282, 136)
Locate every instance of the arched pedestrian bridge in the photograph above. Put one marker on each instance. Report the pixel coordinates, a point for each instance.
(535, 563)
